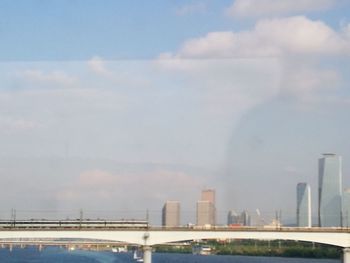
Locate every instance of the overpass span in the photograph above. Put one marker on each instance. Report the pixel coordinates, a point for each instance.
(148, 237)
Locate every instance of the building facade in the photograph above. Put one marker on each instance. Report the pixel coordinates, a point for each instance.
(205, 213)
(233, 218)
(245, 218)
(171, 214)
(346, 208)
(303, 205)
(330, 191)
(208, 195)
(206, 210)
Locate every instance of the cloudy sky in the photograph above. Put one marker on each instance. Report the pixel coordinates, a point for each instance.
(114, 107)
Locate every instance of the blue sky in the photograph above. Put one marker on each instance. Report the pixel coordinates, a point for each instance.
(74, 30)
(112, 29)
(103, 98)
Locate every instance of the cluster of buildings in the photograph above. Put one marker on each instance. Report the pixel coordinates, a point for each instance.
(333, 202)
(205, 212)
(234, 219)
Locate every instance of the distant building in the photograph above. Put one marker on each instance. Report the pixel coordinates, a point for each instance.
(275, 223)
(233, 218)
(206, 210)
(208, 195)
(303, 205)
(330, 191)
(171, 214)
(346, 208)
(245, 218)
(205, 213)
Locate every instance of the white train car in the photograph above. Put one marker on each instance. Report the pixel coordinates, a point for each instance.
(73, 223)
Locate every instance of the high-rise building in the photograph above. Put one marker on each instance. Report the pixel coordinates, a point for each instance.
(233, 218)
(206, 211)
(330, 191)
(208, 195)
(303, 205)
(245, 218)
(171, 214)
(346, 208)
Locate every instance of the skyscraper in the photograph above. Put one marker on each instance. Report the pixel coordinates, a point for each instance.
(245, 218)
(303, 205)
(206, 211)
(330, 191)
(233, 218)
(171, 214)
(346, 208)
(208, 195)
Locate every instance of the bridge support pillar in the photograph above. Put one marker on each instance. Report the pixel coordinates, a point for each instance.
(147, 254)
(346, 255)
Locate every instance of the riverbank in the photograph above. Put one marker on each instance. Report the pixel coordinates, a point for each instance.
(263, 248)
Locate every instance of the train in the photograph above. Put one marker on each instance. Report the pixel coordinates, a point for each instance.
(73, 223)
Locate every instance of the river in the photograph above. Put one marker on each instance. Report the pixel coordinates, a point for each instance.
(59, 255)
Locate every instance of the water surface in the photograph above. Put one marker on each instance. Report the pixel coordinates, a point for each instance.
(60, 255)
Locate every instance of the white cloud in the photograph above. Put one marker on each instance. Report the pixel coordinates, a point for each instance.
(48, 78)
(222, 83)
(10, 124)
(120, 73)
(269, 37)
(197, 7)
(147, 188)
(347, 32)
(297, 42)
(97, 65)
(304, 80)
(260, 8)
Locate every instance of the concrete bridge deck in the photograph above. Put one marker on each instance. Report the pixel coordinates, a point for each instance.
(147, 237)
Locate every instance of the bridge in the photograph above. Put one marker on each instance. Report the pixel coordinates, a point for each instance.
(148, 237)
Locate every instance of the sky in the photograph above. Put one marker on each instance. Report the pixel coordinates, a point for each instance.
(115, 107)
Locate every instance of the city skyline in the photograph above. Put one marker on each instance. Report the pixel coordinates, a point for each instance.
(207, 196)
(333, 202)
(126, 105)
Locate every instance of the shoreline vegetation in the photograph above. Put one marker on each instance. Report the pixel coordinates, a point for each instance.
(262, 248)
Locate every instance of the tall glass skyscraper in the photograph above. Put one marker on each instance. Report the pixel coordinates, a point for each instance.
(330, 191)
(346, 208)
(303, 205)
